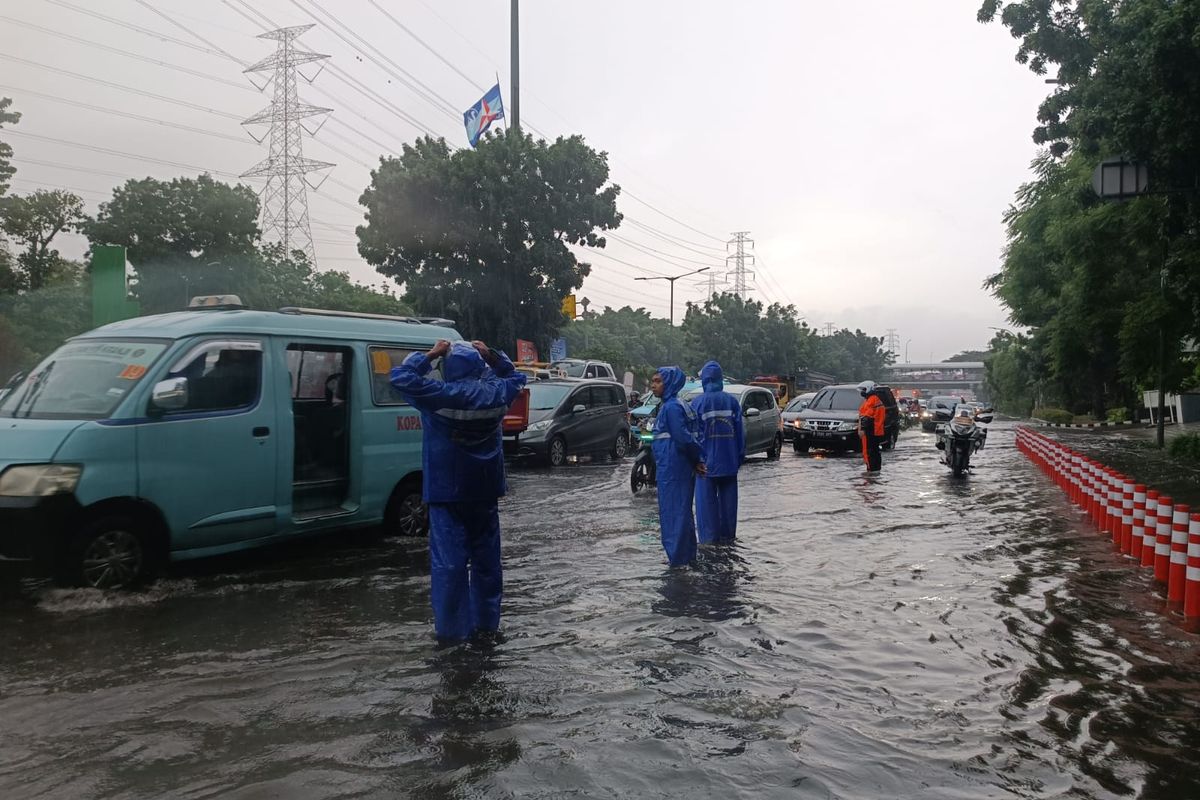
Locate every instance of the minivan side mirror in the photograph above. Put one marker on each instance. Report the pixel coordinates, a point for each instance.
(170, 395)
(579, 409)
(753, 412)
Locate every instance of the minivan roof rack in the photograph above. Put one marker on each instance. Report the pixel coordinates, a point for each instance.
(326, 312)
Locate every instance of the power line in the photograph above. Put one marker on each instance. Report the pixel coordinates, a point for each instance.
(424, 44)
(651, 251)
(633, 196)
(162, 37)
(126, 114)
(126, 53)
(183, 27)
(658, 233)
(119, 153)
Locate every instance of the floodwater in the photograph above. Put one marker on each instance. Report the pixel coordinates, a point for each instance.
(900, 637)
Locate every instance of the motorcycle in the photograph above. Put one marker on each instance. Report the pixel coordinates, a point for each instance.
(644, 471)
(960, 436)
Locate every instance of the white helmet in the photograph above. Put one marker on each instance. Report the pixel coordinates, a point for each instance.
(866, 387)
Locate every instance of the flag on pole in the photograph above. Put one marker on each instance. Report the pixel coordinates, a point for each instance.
(479, 117)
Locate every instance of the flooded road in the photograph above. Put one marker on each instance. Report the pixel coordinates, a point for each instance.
(905, 636)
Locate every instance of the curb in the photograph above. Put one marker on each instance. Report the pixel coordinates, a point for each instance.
(1087, 425)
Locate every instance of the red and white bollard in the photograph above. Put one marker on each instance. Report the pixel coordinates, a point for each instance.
(1191, 589)
(1139, 522)
(1177, 570)
(1162, 545)
(1149, 533)
(1122, 541)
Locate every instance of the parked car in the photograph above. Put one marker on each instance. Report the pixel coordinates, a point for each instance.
(831, 420)
(761, 417)
(574, 417)
(791, 413)
(578, 368)
(190, 434)
(942, 403)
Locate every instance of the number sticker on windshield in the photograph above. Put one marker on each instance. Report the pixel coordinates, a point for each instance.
(132, 372)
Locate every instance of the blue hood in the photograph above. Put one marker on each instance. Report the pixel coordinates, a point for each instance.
(463, 361)
(712, 378)
(33, 441)
(673, 380)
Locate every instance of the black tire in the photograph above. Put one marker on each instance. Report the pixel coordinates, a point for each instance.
(799, 448)
(407, 514)
(110, 552)
(776, 447)
(620, 447)
(556, 452)
(889, 442)
(958, 463)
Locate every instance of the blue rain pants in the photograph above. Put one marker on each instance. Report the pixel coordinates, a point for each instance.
(716, 509)
(464, 556)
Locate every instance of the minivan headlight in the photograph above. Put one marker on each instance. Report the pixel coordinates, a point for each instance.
(540, 425)
(39, 480)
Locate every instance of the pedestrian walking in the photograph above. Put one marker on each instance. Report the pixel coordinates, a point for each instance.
(678, 460)
(463, 463)
(723, 439)
(872, 415)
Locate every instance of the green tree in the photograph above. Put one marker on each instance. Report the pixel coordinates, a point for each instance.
(33, 221)
(970, 355)
(482, 235)
(7, 170)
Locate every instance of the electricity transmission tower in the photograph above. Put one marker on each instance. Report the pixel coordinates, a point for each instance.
(893, 340)
(285, 197)
(712, 283)
(739, 258)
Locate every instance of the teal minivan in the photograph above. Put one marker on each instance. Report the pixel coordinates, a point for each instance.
(206, 431)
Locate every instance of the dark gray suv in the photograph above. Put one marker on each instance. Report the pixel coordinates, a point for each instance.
(573, 417)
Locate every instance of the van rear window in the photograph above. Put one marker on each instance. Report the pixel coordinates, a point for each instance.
(381, 363)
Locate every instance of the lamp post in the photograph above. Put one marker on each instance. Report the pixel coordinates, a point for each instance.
(671, 279)
(906, 344)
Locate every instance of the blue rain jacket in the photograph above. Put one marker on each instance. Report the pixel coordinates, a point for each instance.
(463, 453)
(676, 454)
(722, 434)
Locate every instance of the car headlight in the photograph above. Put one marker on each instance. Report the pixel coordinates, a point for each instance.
(541, 425)
(39, 480)
(848, 426)
(801, 423)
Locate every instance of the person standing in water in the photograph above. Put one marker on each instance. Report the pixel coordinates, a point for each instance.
(678, 460)
(723, 439)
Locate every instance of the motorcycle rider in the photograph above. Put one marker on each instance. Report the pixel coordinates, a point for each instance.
(724, 441)
(463, 462)
(872, 415)
(678, 455)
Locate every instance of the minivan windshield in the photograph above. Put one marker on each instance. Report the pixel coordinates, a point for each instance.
(82, 379)
(546, 397)
(572, 369)
(836, 400)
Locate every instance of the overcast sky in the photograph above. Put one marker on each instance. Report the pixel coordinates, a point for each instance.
(869, 148)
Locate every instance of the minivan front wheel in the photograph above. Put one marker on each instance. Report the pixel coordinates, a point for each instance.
(557, 452)
(108, 553)
(407, 514)
(776, 447)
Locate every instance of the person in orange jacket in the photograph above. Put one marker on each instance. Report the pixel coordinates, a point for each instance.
(871, 416)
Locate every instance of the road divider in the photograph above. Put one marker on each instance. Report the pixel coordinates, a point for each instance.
(1145, 527)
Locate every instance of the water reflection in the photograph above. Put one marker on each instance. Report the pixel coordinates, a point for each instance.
(710, 589)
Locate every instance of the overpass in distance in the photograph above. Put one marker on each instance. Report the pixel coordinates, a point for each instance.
(938, 377)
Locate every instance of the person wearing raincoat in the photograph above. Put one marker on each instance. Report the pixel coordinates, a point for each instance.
(872, 416)
(463, 463)
(723, 439)
(678, 459)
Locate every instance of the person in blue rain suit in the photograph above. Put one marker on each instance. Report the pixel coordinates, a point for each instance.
(678, 459)
(463, 462)
(723, 439)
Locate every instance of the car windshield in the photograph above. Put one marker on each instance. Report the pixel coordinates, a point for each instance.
(837, 400)
(82, 380)
(943, 402)
(546, 397)
(572, 369)
(798, 404)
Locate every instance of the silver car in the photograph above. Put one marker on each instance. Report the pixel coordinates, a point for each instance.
(761, 417)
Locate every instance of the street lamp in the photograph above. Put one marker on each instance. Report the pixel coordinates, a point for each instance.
(672, 280)
(906, 350)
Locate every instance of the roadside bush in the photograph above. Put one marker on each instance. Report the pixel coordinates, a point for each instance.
(1118, 415)
(1186, 446)
(1055, 415)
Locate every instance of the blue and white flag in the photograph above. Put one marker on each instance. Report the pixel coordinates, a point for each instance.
(479, 117)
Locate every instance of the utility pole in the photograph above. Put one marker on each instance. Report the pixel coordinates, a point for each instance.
(829, 329)
(284, 213)
(514, 65)
(739, 257)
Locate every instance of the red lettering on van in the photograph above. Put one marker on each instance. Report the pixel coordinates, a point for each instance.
(408, 423)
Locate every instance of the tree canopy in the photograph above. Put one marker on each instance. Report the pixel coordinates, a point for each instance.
(481, 235)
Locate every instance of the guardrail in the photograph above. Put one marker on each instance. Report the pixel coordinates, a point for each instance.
(1147, 528)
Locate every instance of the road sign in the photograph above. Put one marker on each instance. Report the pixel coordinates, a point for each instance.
(558, 349)
(568, 306)
(1120, 179)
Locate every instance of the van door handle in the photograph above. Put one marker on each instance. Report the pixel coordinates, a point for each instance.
(261, 431)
